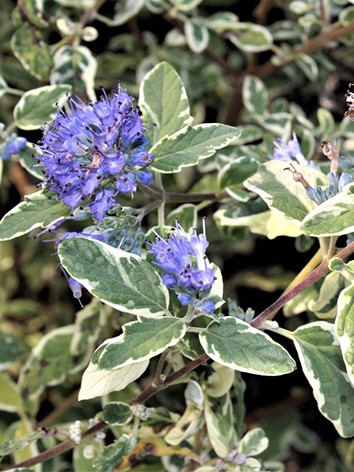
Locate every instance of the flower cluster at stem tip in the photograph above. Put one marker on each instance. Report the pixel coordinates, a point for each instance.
(285, 151)
(94, 152)
(185, 265)
(10, 144)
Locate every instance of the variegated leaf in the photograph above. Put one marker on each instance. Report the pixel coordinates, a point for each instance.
(122, 280)
(141, 340)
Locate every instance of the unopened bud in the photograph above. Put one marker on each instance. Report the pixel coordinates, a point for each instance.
(298, 177)
(332, 153)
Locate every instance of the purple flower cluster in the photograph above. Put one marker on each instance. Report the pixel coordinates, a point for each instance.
(95, 152)
(183, 260)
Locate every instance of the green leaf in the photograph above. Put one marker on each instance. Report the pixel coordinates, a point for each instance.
(122, 280)
(49, 363)
(38, 210)
(322, 364)
(3, 86)
(88, 326)
(258, 221)
(196, 34)
(277, 123)
(221, 21)
(164, 98)
(11, 349)
(308, 65)
(325, 304)
(219, 419)
(27, 159)
(98, 382)
(326, 121)
(39, 105)
(124, 11)
(113, 454)
(220, 380)
(186, 5)
(157, 6)
(250, 37)
(236, 344)
(255, 95)
(254, 442)
(334, 217)
(85, 453)
(141, 340)
(282, 194)
(20, 441)
(75, 66)
(249, 134)
(186, 214)
(344, 328)
(34, 12)
(234, 173)
(117, 413)
(35, 58)
(188, 146)
(10, 399)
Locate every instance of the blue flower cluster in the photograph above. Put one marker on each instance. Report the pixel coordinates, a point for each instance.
(336, 185)
(183, 260)
(95, 152)
(12, 144)
(285, 151)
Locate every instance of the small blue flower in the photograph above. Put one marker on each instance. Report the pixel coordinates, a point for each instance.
(336, 185)
(95, 152)
(285, 151)
(185, 265)
(13, 144)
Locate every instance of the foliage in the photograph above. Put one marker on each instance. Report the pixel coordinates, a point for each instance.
(147, 148)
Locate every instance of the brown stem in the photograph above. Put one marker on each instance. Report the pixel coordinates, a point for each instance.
(310, 46)
(153, 388)
(143, 396)
(261, 11)
(262, 71)
(49, 419)
(313, 277)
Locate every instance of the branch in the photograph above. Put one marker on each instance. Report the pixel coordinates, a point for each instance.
(313, 277)
(141, 397)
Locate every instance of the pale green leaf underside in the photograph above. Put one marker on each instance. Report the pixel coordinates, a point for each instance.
(322, 364)
(278, 189)
(344, 327)
(188, 146)
(120, 279)
(333, 217)
(97, 382)
(164, 98)
(37, 210)
(268, 223)
(39, 105)
(237, 345)
(141, 340)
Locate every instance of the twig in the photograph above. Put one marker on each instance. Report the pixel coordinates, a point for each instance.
(313, 277)
(143, 396)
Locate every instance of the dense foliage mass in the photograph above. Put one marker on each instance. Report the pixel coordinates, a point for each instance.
(176, 241)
